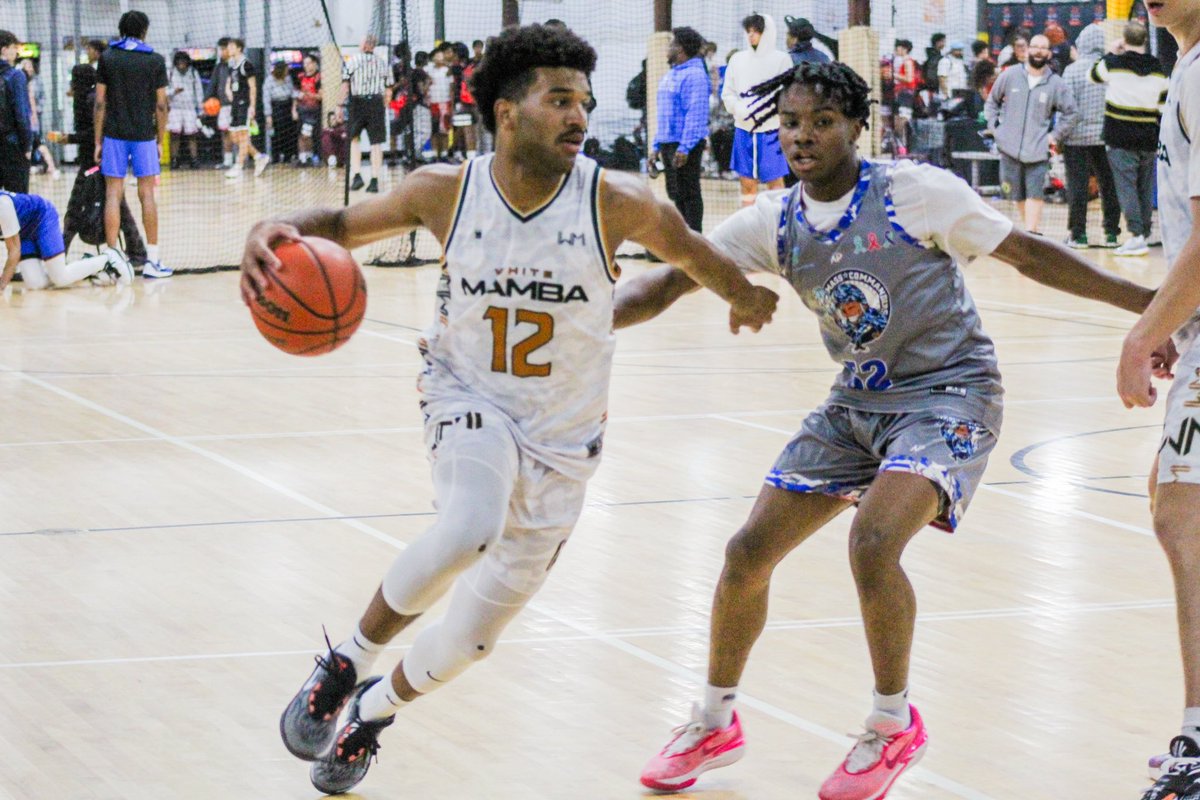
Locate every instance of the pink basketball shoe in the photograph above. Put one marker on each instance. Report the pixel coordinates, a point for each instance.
(693, 750)
(881, 755)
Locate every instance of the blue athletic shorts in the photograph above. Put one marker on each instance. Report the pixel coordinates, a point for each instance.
(758, 155)
(117, 154)
(42, 238)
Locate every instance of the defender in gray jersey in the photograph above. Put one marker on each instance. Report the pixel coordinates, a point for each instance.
(873, 251)
(1148, 350)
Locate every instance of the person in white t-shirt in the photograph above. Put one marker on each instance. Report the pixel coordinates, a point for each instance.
(441, 105)
(34, 247)
(952, 72)
(873, 249)
(1148, 350)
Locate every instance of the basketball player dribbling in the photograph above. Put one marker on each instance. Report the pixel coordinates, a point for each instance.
(872, 249)
(1175, 479)
(515, 385)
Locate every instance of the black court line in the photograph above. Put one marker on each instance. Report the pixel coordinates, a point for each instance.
(1018, 460)
(990, 310)
(284, 520)
(393, 324)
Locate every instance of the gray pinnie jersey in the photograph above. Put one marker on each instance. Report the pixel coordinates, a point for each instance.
(896, 314)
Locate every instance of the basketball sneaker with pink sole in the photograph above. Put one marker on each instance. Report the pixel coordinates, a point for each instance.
(878, 759)
(693, 750)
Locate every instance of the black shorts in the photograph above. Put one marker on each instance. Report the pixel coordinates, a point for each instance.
(366, 114)
(239, 115)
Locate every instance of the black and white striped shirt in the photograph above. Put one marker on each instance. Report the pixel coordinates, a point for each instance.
(367, 73)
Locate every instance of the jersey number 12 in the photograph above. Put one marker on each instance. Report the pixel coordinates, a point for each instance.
(519, 363)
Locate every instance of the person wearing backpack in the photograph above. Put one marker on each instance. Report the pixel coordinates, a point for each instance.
(16, 135)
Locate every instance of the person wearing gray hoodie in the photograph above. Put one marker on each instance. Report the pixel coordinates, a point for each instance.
(1083, 148)
(1020, 111)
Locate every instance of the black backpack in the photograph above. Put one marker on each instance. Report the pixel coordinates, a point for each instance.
(8, 122)
(85, 209)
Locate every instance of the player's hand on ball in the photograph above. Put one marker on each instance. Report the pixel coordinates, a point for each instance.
(754, 311)
(259, 255)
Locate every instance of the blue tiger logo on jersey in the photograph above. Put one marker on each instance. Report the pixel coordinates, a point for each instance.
(962, 436)
(859, 304)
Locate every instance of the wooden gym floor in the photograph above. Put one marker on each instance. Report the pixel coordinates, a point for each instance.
(183, 508)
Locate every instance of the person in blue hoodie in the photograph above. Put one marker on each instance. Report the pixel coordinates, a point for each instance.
(682, 125)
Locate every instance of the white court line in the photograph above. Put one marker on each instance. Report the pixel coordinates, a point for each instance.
(641, 633)
(1058, 510)
(918, 772)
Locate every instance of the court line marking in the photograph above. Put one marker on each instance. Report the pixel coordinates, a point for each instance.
(1025, 497)
(1014, 612)
(807, 726)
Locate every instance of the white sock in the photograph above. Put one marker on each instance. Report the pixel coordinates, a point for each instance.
(718, 706)
(1191, 723)
(380, 701)
(227, 159)
(152, 252)
(894, 705)
(362, 652)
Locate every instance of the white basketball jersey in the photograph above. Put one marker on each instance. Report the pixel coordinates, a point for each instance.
(1177, 174)
(524, 315)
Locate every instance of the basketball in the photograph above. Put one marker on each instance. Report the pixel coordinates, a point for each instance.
(315, 299)
(212, 106)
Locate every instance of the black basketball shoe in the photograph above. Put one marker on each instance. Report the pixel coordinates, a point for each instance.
(349, 757)
(309, 722)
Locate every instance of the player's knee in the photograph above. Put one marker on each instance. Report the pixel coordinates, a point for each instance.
(33, 274)
(465, 538)
(748, 558)
(872, 548)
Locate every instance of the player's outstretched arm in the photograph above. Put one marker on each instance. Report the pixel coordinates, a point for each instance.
(1174, 303)
(1058, 267)
(426, 197)
(631, 211)
(645, 296)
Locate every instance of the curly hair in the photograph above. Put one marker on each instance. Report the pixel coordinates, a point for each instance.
(833, 80)
(507, 68)
(690, 41)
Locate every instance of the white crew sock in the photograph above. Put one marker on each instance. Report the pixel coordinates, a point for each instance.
(718, 706)
(1191, 723)
(380, 701)
(894, 705)
(362, 653)
(152, 253)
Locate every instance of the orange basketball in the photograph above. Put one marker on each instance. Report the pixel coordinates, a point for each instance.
(212, 106)
(315, 299)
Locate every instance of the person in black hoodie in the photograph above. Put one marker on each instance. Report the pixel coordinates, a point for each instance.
(1137, 87)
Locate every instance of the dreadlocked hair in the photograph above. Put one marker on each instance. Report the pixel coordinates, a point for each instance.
(833, 80)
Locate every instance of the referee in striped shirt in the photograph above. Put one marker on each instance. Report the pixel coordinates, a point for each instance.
(365, 81)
